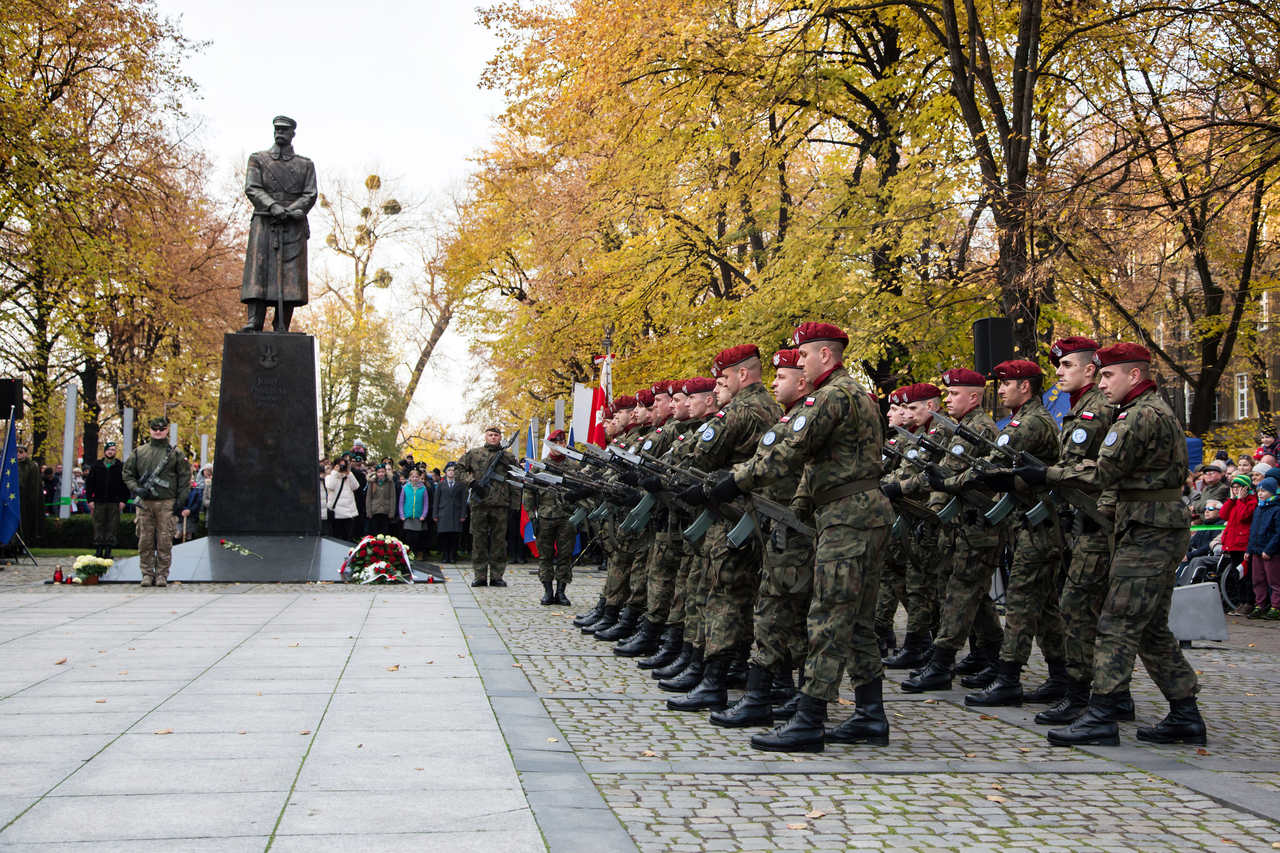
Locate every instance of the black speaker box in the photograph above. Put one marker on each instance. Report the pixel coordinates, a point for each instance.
(10, 395)
(992, 343)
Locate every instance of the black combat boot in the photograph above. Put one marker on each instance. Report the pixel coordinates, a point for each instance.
(672, 641)
(984, 677)
(783, 686)
(1054, 688)
(1122, 709)
(480, 580)
(687, 678)
(643, 642)
(935, 676)
(1004, 692)
(106, 552)
(802, 733)
(1070, 707)
(1095, 727)
(548, 597)
(736, 674)
(607, 619)
(561, 598)
(1182, 725)
(754, 708)
(677, 666)
(590, 616)
(710, 694)
(887, 641)
(978, 659)
(868, 724)
(625, 626)
(914, 653)
(97, 552)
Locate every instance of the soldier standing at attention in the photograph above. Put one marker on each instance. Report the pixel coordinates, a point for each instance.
(160, 477)
(489, 505)
(893, 578)
(836, 439)
(1144, 459)
(555, 533)
(107, 495)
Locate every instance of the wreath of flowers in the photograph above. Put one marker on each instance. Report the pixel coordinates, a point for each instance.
(377, 559)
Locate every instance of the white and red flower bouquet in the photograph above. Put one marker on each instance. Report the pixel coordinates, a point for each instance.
(377, 559)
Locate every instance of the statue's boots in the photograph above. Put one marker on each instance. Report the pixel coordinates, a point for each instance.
(754, 708)
(914, 652)
(936, 675)
(607, 619)
(1070, 707)
(687, 678)
(736, 674)
(978, 659)
(256, 312)
(1182, 725)
(803, 732)
(1054, 688)
(1095, 727)
(644, 642)
(560, 597)
(711, 693)
(1004, 692)
(590, 616)
(677, 666)
(625, 626)
(548, 595)
(672, 642)
(868, 724)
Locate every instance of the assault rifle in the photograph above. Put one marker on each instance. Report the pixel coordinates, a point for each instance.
(481, 485)
(547, 482)
(911, 507)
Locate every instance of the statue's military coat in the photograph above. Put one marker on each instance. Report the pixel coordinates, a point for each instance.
(281, 177)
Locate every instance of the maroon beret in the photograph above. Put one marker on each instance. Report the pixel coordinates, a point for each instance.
(1121, 353)
(787, 358)
(963, 377)
(734, 355)
(1066, 346)
(898, 396)
(699, 385)
(806, 332)
(663, 387)
(624, 402)
(1018, 368)
(557, 435)
(921, 391)
(644, 397)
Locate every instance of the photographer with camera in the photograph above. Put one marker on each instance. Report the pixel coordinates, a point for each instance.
(160, 478)
(341, 484)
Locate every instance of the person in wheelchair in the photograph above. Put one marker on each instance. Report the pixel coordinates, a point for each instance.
(1205, 548)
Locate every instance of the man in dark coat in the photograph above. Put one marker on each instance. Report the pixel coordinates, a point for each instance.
(449, 511)
(107, 493)
(282, 187)
(30, 497)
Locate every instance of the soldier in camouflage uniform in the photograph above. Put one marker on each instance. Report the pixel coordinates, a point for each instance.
(489, 507)
(615, 591)
(835, 438)
(732, 573)
(552, 508)
(1144, 459)
(966, 608)
(786, 582)
(160, 478)
(893, 580)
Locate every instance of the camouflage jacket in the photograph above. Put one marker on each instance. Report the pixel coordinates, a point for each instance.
(1032, 429)
(732, 433)
(1144, 458)
(975, 419)
(1083, 429)
(551, 503)
(783, 489)
(171, 482)
(835, 438)
(474, 463)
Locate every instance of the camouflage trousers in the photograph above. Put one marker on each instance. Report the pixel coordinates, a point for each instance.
(695, 595)
(733, 575)
(488, 541)
(921, 582)
(841, 619)
(675, 613)
(638, 573)
(1135, 615)
(782, 604)
(617, 585)
(664, 565)
(966, 606)
(1081, 602)
(555, 550)
(893, 587)
(154, 520)
(1031, 599)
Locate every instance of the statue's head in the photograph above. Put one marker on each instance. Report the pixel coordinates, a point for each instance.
(284, 128)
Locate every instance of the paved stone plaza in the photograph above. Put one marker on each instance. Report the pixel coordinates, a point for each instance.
(439, 717)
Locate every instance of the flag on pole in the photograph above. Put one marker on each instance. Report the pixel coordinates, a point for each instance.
(526, 524)
(10, 505)
(596, 434)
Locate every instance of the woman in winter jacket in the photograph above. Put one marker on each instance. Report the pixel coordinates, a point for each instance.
(341, 486)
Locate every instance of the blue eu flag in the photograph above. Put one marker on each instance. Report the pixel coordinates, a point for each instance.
(10, 508)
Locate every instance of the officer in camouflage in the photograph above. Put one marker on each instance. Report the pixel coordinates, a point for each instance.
(1144, 459)
(489, 506)
(556, 535)
(160, 478)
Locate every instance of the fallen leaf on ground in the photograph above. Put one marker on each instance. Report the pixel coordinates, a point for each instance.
(986, 717)
(419, 768)
(430, 662)
(1202, 751)
(123, 672)
(553, 740)
(164, 731)
(648, 753)
(59, 661)
(1254, 646)
(971, 755)
(1024, 749)
(1275, 845)
(243, 732)
(615, 690)
(896, 714)
(294, 645)
(518, 665)
(1250, 694)
(931, 701)
(998, 787)
(797, 826)
(359, 746)
(815, 814)
(100, 701)
(844, 701)
(395, 667)
(305, 732)
(996, 798)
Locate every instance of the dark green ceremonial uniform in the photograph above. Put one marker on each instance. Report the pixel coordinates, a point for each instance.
(488, 511)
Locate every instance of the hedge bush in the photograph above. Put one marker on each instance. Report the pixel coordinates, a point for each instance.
(77, 532)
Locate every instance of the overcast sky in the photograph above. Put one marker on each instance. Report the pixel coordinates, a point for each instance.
(378, 86)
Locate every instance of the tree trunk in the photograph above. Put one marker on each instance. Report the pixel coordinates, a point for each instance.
(424, 356)
(92, 410)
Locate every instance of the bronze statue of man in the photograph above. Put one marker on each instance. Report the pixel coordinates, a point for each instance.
(282, 187)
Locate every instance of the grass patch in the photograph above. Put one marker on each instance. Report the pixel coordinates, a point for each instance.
(76, 552)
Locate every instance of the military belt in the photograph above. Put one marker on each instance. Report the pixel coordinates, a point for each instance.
(854, 487)
(1148, 495)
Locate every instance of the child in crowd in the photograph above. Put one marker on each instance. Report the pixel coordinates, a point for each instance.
(1237, 516)
(1264, 552)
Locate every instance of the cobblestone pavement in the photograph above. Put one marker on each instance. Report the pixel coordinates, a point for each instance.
(952, 777)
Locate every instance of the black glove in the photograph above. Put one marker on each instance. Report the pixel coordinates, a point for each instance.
(1032, 475)
(631, 497)
(998, 480)
(479, 490)
(651, 483)
(723, 488)
(694, 495)
(577, 493)
(631, 478)
(937, 481)
(892, 490)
